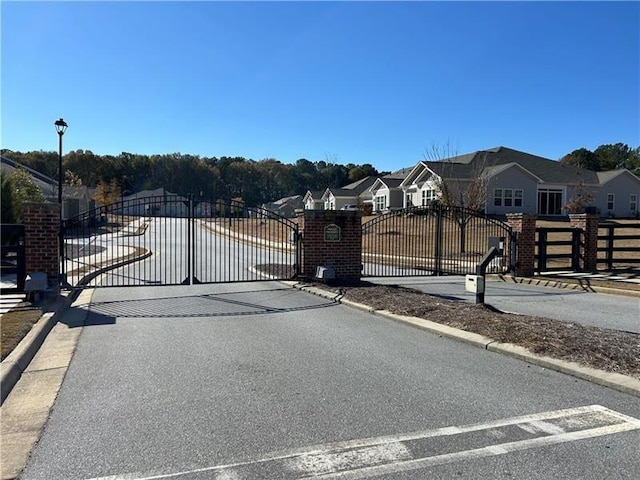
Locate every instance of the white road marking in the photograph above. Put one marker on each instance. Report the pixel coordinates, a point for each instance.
(370, 457)
(323, 463)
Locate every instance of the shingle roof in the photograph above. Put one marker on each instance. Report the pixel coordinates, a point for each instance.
(392, 182)
(401, 174)
(361, 185)
(342, 192)
(549, 171)
(604, 177)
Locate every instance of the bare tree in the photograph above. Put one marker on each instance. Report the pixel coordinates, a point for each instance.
(461, 188)
(107, 193)
(454, 191)
(582, 197)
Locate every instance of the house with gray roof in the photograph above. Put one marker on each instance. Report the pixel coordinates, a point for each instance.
(516, 181)
(312, 200)
(386, 193)
(356, 193)
(285, 207)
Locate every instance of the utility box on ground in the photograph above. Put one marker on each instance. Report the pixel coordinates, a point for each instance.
(474, 284)
(325, 273)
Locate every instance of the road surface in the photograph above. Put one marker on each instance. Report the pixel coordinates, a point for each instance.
(589, 308)
(261, 381)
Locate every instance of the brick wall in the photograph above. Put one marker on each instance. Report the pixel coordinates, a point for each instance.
(588, 224)
(41, 230)
(343, 255)
(525, 227)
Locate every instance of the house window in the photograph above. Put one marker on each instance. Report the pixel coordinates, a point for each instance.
(549, 201)
(517, 198)
(497, 197)
(409, 199)
(507, 197)
(610, 201)
(381, 203)
(428, 196)
(633, 202)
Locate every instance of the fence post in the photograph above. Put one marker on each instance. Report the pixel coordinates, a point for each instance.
(610, 239)
(576, 243)
(331, 238)
(588, 224)
(543, 236)
(525, 227)
(41, 237)
(437, 264)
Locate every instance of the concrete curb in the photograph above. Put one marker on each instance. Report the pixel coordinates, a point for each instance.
(18, 360)
(26, 411)
(91, 275)
(615, 381)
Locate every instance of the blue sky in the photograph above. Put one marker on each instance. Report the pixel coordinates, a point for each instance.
(351, 82)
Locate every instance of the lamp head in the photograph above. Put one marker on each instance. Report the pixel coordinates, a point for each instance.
(61, 126)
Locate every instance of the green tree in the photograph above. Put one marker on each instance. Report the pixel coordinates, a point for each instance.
(18, 188)
(582, 158)
(613, 156)
(6, 199)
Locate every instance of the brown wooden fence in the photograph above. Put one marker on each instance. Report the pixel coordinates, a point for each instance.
(618, 246)
(560, 248)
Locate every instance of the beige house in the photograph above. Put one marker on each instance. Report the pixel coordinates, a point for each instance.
(516, 181)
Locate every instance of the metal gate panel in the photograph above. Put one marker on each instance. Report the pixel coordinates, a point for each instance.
(13, 257)
(172, 240)
(433, 240)
(399, 244)
(234, 243)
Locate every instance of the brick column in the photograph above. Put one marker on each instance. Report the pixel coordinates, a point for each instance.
(588, 224)
(331, 238)
(41, 230)
(525, 227)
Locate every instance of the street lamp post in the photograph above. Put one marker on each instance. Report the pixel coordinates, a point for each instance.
(61, 127)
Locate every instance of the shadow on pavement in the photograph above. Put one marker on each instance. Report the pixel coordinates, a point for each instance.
(193, 306)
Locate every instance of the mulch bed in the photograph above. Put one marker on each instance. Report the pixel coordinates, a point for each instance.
(605, 349)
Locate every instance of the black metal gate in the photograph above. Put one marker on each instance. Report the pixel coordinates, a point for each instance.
(173, 240)
(13, 268)
(434, 240)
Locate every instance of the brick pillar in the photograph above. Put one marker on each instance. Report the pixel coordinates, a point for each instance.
(41, 230)
(331, 238)
(588, 224)
(525, 227)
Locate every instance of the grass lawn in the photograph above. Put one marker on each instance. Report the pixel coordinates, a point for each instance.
(15, 324)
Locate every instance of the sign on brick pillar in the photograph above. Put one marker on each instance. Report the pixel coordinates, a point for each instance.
(525, 227)
(331, 238)
(41, 230)
(588, 224)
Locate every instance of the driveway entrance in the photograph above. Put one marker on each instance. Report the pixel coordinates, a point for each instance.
(172, 240)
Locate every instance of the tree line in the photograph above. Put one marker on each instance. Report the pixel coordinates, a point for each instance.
(606, 157)
(256, 182)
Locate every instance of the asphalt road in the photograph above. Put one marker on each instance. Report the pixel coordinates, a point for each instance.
(589, 308)
(260, 381)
